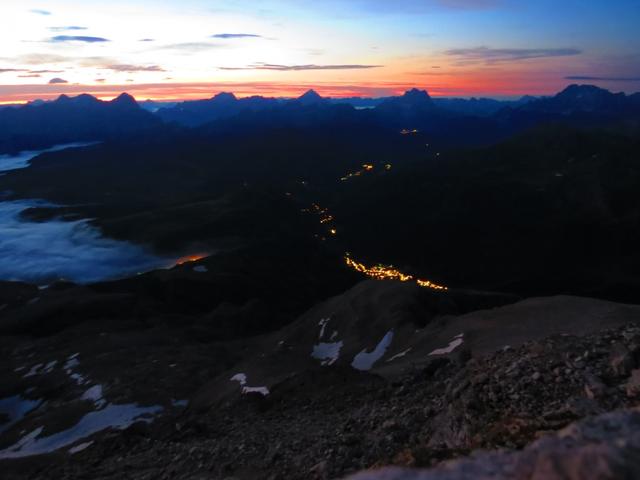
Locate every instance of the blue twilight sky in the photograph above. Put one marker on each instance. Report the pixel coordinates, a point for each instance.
(168, 49)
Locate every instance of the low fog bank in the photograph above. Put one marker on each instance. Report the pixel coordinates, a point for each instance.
(40, 252)
(23, 159)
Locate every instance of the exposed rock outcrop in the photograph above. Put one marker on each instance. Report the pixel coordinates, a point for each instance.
(606, 447)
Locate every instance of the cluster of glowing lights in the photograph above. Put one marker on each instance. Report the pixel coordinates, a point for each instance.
(387, 272)
(323, 213)
(406, 131)
(367, 167)
(377, 272)
(325, 217)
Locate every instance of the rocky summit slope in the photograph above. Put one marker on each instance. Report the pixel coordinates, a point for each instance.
(605, 447)
(460, 371)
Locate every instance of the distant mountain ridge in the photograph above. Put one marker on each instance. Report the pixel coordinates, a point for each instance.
(472, 121)
(71, 119)
(415, 108)
(576, 105)
(582, 98)
(223, 105)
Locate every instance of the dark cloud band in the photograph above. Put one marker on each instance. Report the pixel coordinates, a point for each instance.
(77, 38)
(469, 56)
(588, 78)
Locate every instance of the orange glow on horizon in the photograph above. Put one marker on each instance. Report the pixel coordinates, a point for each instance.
(13, 102)
(190, 258)
(445, 84)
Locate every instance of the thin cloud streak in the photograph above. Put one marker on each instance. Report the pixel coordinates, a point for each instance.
(588, 78)
(46, 71)
(297, 68)
(191, 47)
(41, 59)
(67, 29)
(373, 7)
(235, 35)
(133, 68)
(492, 56)
(469, 4)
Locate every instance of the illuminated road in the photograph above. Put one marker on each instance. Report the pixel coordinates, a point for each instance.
(387, 272)
(326, 220)
(377, 272)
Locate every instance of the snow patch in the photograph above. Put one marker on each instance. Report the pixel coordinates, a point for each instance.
(453, 344)
(80, 447)
(262, 390)
(70, 364)
(94, 394)
(112, 416)
(328, 353)
(49, 366)
(34, 370)
(241, 378)
(323, 324)
(399, 355)
(200, 269)
(365, 360)
(79, 379)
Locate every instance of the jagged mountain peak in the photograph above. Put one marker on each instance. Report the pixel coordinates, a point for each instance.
(225, 97)
(125, 99)
(578, 92)
(310, 97)
(416, 95)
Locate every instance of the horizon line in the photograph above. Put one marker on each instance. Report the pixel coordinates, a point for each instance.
(203, 91)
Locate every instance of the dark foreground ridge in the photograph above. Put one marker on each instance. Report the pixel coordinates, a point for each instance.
(326, 421)
(607, 446)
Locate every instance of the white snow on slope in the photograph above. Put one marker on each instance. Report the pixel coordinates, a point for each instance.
(112, 416)
(365, 360)
(453, 344)
(327, 353)
(241, 378)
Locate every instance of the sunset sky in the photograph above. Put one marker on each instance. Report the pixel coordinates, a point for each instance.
(180, 49)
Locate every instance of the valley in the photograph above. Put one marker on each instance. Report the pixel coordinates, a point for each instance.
(297, 288)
